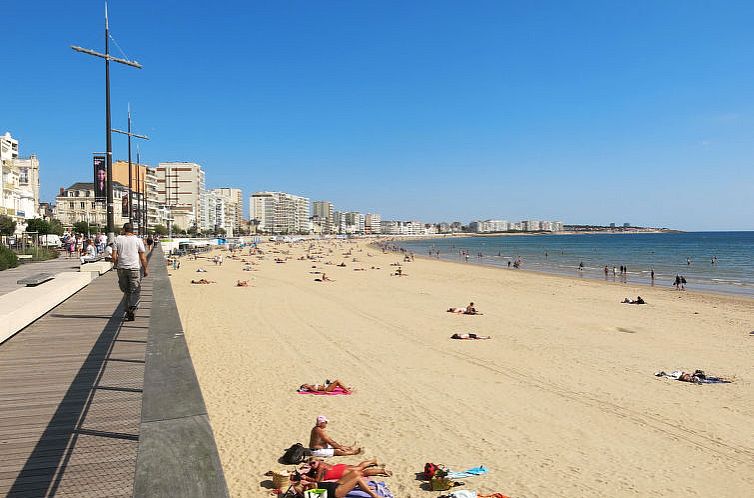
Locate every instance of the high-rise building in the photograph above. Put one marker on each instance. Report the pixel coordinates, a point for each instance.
(280, 213)
(19, 192)
(180, 187)
(372, 223)
(228, 209)
(322, 216)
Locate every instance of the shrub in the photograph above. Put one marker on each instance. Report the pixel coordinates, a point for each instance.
(8, 258)
(40, 253)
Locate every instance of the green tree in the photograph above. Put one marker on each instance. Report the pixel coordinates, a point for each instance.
(7, 225)
(39, 225)
(159, 230)
(56, 227)
(81, 227)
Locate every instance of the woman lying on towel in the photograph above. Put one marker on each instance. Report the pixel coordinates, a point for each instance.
(318, 470)
(638, 300)
(470, 336)
(202, 281)
(328, 387)
(468, 310)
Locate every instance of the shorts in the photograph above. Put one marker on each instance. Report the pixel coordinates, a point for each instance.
(326, 452)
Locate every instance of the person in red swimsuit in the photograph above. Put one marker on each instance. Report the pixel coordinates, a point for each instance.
(321, 471)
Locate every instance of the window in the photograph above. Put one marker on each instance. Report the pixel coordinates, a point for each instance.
(94, 205)
(70, 204)
(82, 205)
(24, 176)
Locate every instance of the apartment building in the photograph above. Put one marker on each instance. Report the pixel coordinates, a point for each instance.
(322, 217)
(372, 224)
(180, 188)
(228, 209)
(280, 212)
(19, 192)
(391, 227)
(77, 203)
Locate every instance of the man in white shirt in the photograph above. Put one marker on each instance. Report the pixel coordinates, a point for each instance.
(129, 257)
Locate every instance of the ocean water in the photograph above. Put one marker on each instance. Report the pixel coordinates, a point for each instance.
(688, 254)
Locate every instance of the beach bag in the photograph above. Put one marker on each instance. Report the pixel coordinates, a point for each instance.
(295, 454)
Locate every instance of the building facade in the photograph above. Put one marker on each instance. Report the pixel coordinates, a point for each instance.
(180, 188)
(372, 224)
(322, 217)
(76, 203)
(280, 213)
(228, 209)
(19, 192)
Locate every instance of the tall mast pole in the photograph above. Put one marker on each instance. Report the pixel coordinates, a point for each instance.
(108, 135)
(130, 170)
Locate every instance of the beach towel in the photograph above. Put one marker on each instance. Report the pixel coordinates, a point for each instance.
(335, 392)
(473, 472)
(379, 488)
(463, 493)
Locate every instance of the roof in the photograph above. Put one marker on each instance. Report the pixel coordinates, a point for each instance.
(90, 186)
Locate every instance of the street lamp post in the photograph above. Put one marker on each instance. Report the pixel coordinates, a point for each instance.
(130, 170)
(108, 134)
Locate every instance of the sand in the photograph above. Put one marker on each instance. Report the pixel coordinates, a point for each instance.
(561, 402)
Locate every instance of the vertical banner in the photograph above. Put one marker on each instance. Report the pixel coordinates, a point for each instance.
(100, 177)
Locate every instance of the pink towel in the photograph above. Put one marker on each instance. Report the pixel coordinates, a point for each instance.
(335, 392)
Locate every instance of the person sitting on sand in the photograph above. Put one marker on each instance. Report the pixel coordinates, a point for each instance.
(325, 278)
(242, 283)
(322, 445)
(471, 310)
(328, 387)
(638, 300)
(470, 336)
(343, 265)
(202, 281)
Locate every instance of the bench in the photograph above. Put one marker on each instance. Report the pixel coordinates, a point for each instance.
(36, 279)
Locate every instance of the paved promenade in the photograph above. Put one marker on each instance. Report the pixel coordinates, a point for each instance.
(8, 278)
(71, 395)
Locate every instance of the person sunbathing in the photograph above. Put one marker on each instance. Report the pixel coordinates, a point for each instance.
(242, 283)
(468, 310)
(318, 471)
(203, 281)
(638, 300)
(470, 336)
(328, 387)
(339, 488)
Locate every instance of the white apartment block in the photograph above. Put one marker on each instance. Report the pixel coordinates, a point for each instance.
(180, 187)
(354, 222)
(404, 228)
(230, 203)
(280, 213)
(77, 203)
(372, 223)
(491, 226)
(19, 192)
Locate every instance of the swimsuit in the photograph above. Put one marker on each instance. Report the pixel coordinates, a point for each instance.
(335, 472)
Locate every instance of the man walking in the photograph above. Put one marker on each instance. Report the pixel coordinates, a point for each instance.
(129, 257)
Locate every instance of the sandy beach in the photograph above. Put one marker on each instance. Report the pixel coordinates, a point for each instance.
(562, 401)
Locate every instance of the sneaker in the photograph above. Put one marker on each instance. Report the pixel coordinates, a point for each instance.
(130, 317)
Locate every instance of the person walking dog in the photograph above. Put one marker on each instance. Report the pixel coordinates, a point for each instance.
(129, 257)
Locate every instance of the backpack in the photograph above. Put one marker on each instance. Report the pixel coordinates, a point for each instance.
(295, 454)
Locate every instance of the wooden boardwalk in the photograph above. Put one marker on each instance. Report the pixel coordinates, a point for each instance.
(71, 396)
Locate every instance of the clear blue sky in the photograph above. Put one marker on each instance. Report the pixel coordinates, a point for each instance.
(583, 111)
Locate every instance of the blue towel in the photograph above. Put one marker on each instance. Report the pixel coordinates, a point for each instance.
(476, 471)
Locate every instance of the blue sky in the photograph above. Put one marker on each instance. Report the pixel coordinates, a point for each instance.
(584, 111)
